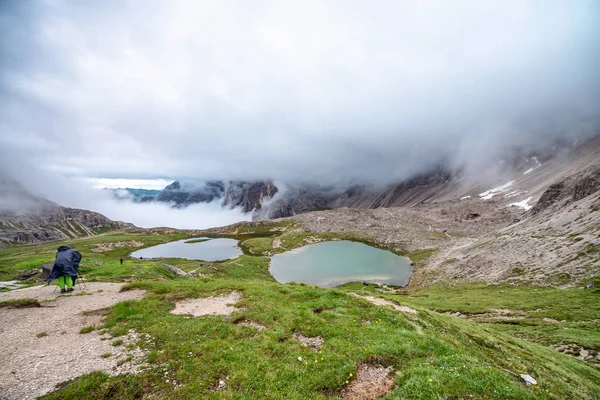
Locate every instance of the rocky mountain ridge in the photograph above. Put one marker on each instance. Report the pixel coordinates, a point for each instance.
(248, 196)
(26, 218)
(265, 200)
(538, 225)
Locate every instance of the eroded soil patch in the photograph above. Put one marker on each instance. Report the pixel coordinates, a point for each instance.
(252, 324)
(314, 343)
(589, 355)
(102, 247)
(493, 315)
(371, 382)
(218, 305)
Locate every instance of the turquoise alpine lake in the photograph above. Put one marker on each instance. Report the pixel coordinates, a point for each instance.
(330, 264)
(207, 250)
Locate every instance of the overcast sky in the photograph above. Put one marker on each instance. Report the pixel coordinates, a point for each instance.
(304, 90)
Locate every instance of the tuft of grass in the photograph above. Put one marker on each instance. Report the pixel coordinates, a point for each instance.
(117, 342)
(106, 355)
(20, 303)
(87, 329)
(200, 240)
(42, 334)
(420, 255)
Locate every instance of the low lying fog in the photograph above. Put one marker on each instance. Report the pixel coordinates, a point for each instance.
(324, 92)
(149, 215)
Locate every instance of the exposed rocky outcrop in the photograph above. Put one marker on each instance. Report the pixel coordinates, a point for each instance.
(573, 188)
(249, 196)
(26, 218)
(304, 198)
(184, 194)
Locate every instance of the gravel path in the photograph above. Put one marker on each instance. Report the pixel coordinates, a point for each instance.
(219, 305)
(31, 366)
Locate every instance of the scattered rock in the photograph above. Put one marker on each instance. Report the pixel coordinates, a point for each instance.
(10, 285)
(252, 324)
(371, 382)
(29, 274)
(176, 271)
(219, 305)
(220, 385)
(528, 380)
(314, 343)
(590, 285)
(588, 355)
(102, 247)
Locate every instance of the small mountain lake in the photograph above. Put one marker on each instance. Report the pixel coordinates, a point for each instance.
(207, 250)
(334, 263)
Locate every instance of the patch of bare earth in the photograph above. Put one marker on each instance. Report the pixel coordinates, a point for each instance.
(42, 347)
(252, 324)
(371, 381)
(589, 355)
(218, 305)
(383, 302)
(493, 315)
(102, 247)
(314, 343)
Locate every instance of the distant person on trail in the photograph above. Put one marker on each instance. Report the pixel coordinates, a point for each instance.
(121, 260)
(65, 268)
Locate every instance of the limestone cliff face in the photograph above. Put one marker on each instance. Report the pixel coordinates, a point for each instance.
(265, 200)
(573, 188)
(26, 218)
(249, 196)
(184, 194)
(521, 166)
(304, 198)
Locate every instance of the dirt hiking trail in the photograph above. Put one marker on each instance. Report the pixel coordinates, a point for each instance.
(43, 346)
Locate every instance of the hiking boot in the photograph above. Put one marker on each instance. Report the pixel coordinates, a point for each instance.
(63, 290)
(70, 289)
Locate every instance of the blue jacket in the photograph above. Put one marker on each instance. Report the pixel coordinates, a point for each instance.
(66, 263)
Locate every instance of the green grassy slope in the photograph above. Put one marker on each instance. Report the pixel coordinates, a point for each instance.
(434, 356)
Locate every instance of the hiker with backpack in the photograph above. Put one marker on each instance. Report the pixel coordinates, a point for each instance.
(65, 268)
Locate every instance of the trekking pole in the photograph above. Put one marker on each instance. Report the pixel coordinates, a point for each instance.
(81, 280)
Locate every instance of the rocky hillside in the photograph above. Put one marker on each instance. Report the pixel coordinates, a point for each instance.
(26, 218)
(532, 169)
(249, 196)
(539, 224)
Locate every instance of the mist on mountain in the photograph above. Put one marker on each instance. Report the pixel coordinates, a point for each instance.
(334, 96)
(304, 92)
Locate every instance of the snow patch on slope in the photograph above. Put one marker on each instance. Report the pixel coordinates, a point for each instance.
(497, 190)
(523, 204)
(538, 164)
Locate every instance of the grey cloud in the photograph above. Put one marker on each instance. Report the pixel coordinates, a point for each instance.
(308, 91)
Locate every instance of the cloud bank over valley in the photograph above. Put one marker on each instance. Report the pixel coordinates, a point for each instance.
(333, 92)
